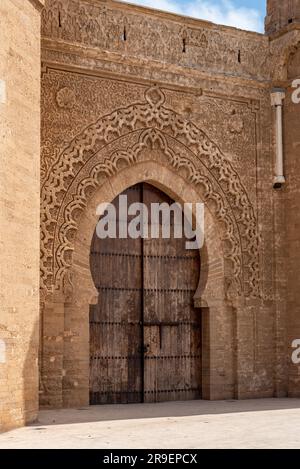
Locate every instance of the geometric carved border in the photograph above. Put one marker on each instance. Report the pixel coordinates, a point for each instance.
(200, 161)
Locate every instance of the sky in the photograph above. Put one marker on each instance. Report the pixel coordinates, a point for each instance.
(244, 14)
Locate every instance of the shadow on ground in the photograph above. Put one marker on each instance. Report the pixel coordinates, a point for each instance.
(161, 410)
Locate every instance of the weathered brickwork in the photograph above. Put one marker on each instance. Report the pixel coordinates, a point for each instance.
(119, 81)
(282, 14)
(129, 95)
(19, 210)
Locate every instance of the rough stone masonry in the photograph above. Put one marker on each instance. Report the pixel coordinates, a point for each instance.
(129, 94)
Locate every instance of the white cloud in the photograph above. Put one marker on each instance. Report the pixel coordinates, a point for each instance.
(221, 12)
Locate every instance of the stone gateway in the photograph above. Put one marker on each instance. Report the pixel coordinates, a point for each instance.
(162, 108)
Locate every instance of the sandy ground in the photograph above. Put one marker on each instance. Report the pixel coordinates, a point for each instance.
(266, 423)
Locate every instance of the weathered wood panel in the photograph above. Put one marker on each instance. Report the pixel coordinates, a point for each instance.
(115, 323)
(172, 333)
(145, 334)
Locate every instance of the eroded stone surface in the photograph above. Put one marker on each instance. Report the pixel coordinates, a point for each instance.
(19, 210)
(129, 95)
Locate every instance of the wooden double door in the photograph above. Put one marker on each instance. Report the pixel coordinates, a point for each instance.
(145, 335)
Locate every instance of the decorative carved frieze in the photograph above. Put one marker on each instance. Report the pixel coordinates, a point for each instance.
(82, 167)
(205, 47)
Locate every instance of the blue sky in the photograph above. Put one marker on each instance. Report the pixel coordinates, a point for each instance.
(244, 14)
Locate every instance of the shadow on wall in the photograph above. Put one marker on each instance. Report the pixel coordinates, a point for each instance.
(18, 375)
(30, 377)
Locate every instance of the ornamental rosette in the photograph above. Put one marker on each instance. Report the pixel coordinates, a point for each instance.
(236, 124)
(65, 98)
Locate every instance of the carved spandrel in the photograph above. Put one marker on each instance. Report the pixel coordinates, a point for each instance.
(232, 205)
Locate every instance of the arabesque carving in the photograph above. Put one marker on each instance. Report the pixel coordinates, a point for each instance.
(68, 185)
(107, 27)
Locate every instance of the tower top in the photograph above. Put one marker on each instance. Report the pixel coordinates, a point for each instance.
(281, 13)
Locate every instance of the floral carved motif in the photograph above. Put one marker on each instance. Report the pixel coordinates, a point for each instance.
(65, 98)
(68, 186)
(236, 124)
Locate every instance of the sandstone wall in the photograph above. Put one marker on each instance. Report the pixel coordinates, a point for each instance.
(111, 71)
(19, 210)
(283, 25)
(282, 13)
(292, 209)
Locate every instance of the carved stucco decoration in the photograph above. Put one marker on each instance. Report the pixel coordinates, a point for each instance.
(102, 26)
(65, 98)
(236, 124)
(68, 186)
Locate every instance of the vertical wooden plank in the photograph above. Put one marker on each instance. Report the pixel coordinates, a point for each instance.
(171, 277)
(116, 329)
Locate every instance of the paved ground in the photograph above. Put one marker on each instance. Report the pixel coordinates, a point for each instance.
(267, 423)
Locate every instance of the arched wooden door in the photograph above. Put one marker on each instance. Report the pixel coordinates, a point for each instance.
(145, 335)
